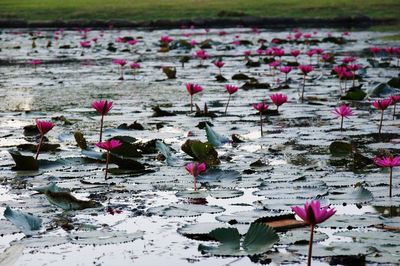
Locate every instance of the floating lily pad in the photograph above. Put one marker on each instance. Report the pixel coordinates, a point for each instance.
(340, 148)
(200, 151)
(300, 237)
(354, 94)
(218, 194)
(184, 210)
(103, 237)
(200, 231)
(259, 239)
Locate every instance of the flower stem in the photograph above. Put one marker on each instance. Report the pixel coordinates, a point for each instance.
(390, 181)
(191, 103)
(302, 90)
(310, 244)
(121, 73)
(226, 108)
(38, 148)
(195, 181)
(380, 124)
(341, 124)
(101, 127)
(107, 161)
(261, 124)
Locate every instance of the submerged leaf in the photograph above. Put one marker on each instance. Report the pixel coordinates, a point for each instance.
(27, 223)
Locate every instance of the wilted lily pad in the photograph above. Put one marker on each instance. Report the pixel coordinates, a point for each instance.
(68, 202)
(23, 162)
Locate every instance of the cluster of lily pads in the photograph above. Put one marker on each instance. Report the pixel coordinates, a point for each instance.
(209, 177)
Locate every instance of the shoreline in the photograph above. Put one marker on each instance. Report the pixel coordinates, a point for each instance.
(229, 22)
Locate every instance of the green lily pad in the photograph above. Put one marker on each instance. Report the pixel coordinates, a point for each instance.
(23, 162)
(354, 94)
(359, 195)
(301, 236)
(200, 231)
(218, 194)
(127, 149)
(103, 237)
(259, 239)
(338, 148)
(184, 210)
(201, 151)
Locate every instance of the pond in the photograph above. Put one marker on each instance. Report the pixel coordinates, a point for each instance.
(149, 213)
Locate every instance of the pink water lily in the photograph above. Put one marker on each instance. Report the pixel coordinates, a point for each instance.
(134, 65)
(340, 71)
(35, 62)
(192, 89)
(102, 107)
(202, 55)
(349, 59)
(195, 169)
(353, 68)
(310, 54)
(219, 64)
(278, 99)
(375, 50)
(343, 111)
(312, 214)
(286, 70)
(389, 162)
(295, 54)
(382, 105)
(85, 44)
(231, 90)
(305, 69)
(395, 99)
(121, 63)
(133, 42)
(272, 66)
(43, 127)
(261, 107)
(166, 39)
(109, 145)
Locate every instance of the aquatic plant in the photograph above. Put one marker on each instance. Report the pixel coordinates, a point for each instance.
(109, 145)
(102, 107)
(312, 214)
